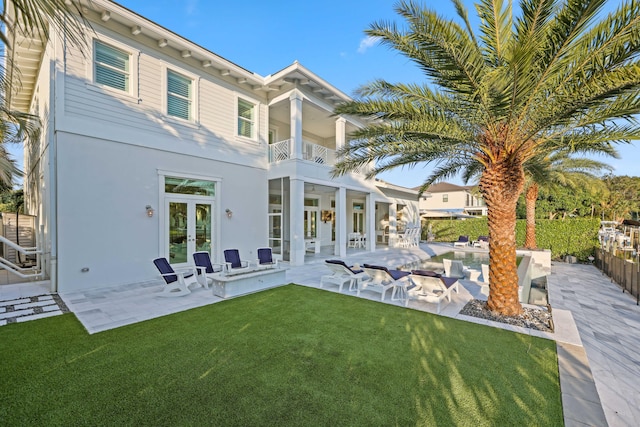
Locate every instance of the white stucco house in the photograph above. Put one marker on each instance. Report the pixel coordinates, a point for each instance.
(155, 146)
(446, 200)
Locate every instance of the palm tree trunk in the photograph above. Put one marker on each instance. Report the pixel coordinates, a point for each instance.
(501, 184)
(530, 200)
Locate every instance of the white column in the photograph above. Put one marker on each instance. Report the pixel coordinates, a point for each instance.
(296, 222)
(341, 132)
(370, 222)
(341, 222)
(296, 124)
(393, 224)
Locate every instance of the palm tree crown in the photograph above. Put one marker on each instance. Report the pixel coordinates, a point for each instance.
(553, 78)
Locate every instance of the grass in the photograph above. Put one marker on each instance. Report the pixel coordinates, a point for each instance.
(286, 356)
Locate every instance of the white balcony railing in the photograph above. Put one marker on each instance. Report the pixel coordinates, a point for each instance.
(283, 150)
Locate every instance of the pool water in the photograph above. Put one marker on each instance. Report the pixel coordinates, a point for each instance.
(471, 260)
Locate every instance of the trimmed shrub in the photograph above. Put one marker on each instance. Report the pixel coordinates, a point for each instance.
(575, 236)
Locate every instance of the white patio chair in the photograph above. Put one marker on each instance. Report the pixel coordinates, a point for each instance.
(342, 273)
(455, 268)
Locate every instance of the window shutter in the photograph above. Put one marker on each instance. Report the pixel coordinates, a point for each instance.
(112, 67)
(179, 90)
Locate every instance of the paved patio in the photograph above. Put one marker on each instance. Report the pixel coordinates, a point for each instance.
(596, 325)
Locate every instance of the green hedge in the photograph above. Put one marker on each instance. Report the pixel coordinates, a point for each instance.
(577, 237)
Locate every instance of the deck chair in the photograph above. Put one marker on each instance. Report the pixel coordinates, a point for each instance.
(265, 258)
(431, 287)
(382, 279)
(463, 241)
(205, 268)
(454, 268)
(233, 262)
(342, 273)
(176, 282)
(482, 242)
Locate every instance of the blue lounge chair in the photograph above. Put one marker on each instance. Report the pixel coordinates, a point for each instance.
(381, 279)
(463, 241)
(342, 273)
(233, 262)
(265, 258)
(176, 282)
(205, 268)
(431, 287)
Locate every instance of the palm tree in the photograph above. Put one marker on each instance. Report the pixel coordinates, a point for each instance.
(558, 170)
(33, 19)
(553, 78)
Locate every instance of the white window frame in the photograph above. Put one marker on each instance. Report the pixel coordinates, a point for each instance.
(256, 118)
(195, 103)
(132, 92)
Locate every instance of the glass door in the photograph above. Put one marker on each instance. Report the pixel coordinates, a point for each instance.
(188, 224)
(310, 222)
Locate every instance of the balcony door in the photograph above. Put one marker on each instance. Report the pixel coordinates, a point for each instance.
(189, 228)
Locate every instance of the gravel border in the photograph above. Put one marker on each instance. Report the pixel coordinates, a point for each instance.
(532, 318)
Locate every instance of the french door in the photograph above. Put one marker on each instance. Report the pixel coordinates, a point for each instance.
(188, 225)
(311, 222)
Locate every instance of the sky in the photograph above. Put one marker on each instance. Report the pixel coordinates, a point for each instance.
(326, 36)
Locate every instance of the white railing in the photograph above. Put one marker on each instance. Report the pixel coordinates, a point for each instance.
(279, 151)
(24, 272)
(283, 150)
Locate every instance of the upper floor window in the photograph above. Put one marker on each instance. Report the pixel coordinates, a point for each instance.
(112, 66)
(179, 95)
(246, 118)
(445, 198)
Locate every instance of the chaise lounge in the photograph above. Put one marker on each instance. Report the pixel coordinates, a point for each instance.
(432, 287)
(382, 279)
(342, 273)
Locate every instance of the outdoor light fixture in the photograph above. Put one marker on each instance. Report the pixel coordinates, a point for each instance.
(229, 212)
(149, 211)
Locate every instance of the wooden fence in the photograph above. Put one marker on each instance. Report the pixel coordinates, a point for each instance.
(624, 272)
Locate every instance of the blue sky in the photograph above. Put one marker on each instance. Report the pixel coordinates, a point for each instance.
(325, 36)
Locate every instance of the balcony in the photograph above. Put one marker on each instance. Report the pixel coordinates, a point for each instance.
(283, 150)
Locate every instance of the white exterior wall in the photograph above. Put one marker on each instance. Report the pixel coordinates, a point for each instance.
(110, 149)
(103, 188)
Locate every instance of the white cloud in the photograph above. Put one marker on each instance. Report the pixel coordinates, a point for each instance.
(366, 43)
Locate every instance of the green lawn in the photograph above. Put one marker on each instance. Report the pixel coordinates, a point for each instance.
(288, 356)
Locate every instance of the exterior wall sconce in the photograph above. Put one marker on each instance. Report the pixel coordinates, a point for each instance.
(229, 212)
(149, 211)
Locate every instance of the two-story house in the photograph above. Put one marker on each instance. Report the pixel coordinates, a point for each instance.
(446, 200)
(155, 146)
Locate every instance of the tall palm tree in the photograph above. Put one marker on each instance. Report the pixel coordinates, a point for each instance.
(558, 170)
(552, 78)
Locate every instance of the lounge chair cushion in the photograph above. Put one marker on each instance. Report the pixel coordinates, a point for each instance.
(340, 262)
(425, 273)
(232, 256)
(448, 281)
(396, 274)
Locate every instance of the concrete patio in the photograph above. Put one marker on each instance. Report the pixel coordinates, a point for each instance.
(595, 324)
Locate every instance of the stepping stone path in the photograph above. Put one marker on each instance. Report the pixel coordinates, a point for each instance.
(31, 308)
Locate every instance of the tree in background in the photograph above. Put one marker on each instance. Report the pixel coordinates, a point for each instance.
(556, 171)
(552, 79)
(623, 198)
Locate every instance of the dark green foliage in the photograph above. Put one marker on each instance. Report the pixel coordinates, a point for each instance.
(288, 356)
(576, 236)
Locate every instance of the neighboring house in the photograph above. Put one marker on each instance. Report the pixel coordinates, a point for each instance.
(154, 146)
(447, 200)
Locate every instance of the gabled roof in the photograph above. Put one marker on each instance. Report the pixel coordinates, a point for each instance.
(27, 55)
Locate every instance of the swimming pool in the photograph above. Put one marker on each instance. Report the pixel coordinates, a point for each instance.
(471, 260)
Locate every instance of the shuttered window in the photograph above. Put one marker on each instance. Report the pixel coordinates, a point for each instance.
(112, 66)
(246, 118)
(179, 95)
